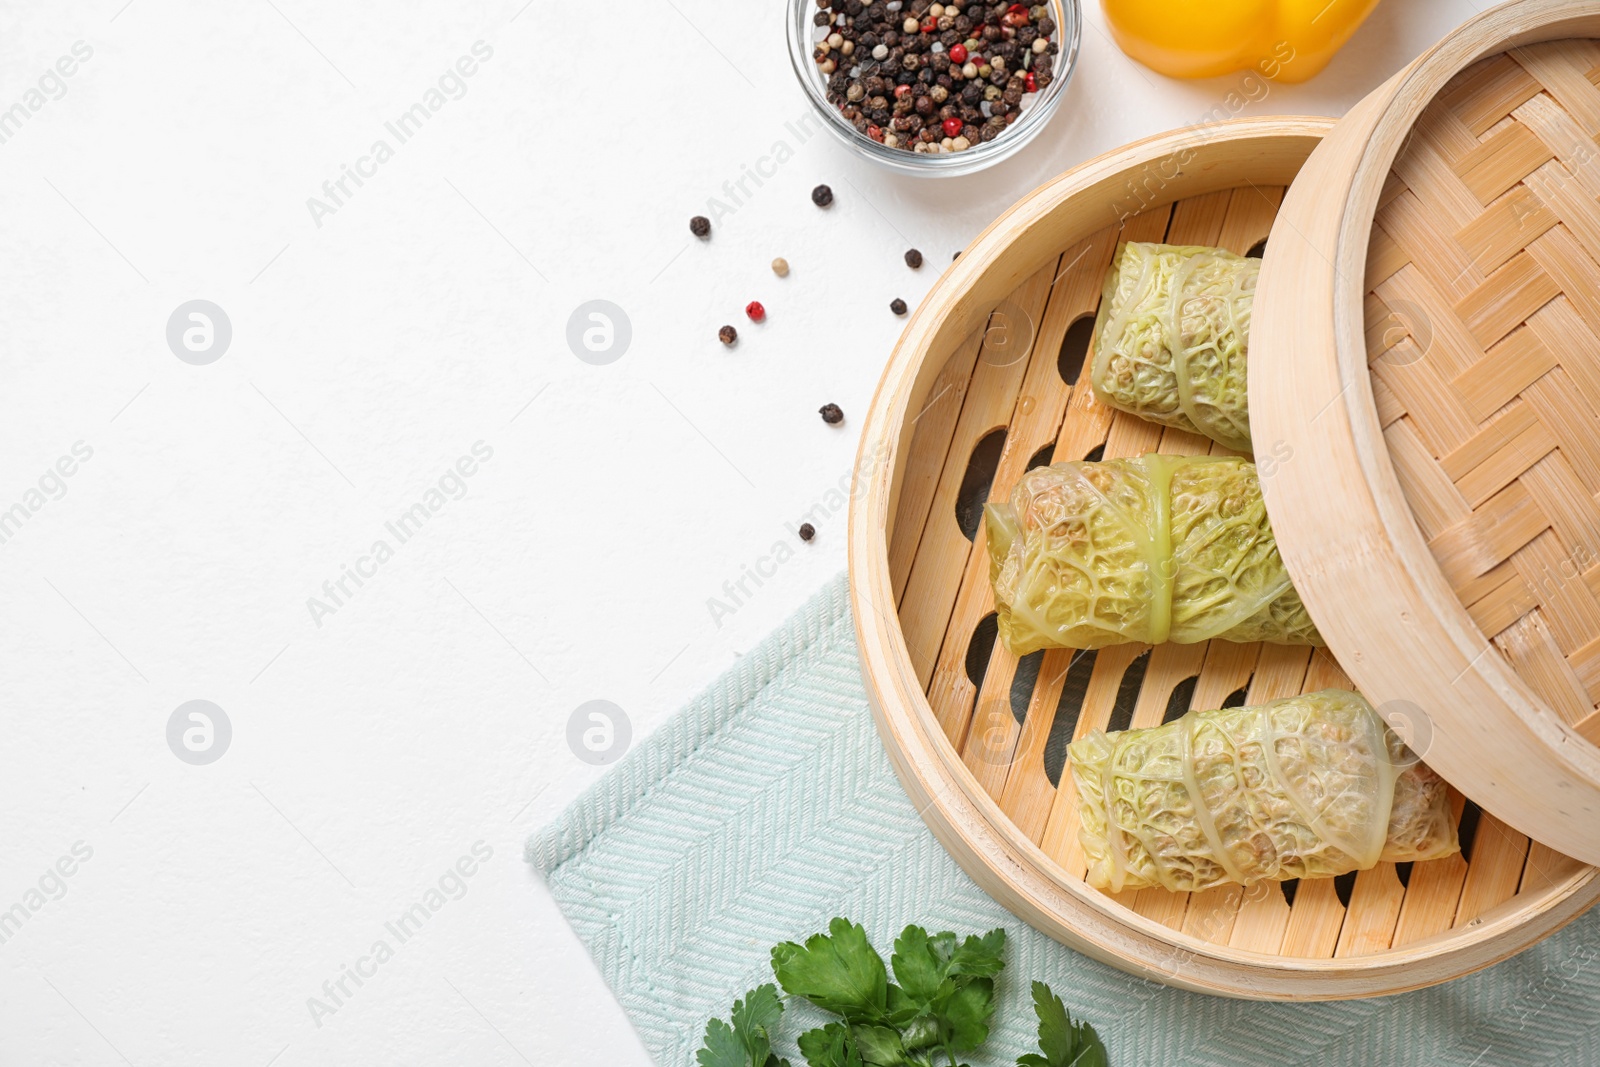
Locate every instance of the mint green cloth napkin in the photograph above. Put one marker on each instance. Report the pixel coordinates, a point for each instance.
(768, 806)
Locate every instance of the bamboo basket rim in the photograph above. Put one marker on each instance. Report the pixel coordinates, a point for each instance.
(961, 814)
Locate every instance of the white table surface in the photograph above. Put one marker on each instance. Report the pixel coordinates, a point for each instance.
(375, 745)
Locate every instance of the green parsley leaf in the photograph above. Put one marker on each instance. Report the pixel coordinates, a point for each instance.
(948, 991)
(722, 1047)
(838, 972)
(748, 1042)
(755, 1017)
(879, 1045)
(966, 1013)
(829, 1046)
(921, 1031)
(1062, 1042)
(918, 965)
(983, 957)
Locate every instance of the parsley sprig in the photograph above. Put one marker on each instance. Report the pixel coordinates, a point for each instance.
(939, 1004)
(1062, 1043)
(746, 1040)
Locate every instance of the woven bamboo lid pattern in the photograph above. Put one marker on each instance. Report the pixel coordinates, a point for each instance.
(1453, 424)
(1481, 335)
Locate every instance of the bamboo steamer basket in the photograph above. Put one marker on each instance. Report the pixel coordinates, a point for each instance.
(977, 736)
(1432, 314)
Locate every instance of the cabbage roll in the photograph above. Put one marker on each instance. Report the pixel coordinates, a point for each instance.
(1159, 548)
(1171, 338)
(1309, 786)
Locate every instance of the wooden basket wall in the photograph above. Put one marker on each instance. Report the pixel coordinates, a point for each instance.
(978, 736)
(1448, 406)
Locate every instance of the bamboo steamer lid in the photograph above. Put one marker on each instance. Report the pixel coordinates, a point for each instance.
(1426, 354)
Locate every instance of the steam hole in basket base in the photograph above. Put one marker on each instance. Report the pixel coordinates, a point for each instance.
(1074, 349)
(1181, 697)
(1022, 684)
(975, 483)
(1467, 831)
(1128, 693)
(1343, 886)
(1069, 706)
(979, 649)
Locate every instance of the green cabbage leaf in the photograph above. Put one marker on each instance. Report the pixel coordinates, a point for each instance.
(1310, 786)
(1128, 551)
(1171, 338)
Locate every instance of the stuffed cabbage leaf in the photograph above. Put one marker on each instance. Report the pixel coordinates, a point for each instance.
(1172, 335)
(1158, 548)
(1309, 786)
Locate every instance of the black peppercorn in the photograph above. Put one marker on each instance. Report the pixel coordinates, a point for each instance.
(728, 335)
(831, 414)
(897, 306)
(700, 226)
(913, 258)
(807, 531)
(822, 196)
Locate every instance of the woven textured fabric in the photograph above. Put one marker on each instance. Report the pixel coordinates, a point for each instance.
(768, 806)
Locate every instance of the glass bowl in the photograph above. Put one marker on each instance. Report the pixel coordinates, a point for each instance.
(803, 37)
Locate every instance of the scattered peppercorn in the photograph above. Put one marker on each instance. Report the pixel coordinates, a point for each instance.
(807, 531)
(897, 306)
(822, 196)
(728, 335)
(913, 259)
(756, 312)
(955, 257)
(780, 267)
(700, 226)
(831, 414)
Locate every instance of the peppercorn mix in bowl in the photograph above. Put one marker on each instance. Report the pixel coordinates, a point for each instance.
(930, 88)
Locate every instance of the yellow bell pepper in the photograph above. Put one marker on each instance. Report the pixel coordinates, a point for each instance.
(1283, 40)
